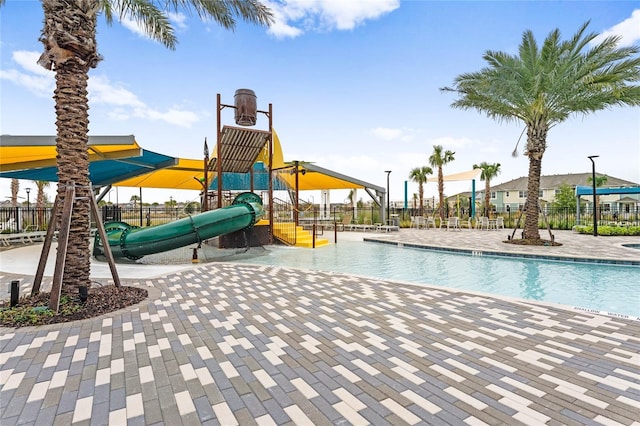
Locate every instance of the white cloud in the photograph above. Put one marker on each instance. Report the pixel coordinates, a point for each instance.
(452, 143)
(628, 30)
(386, 134)
(397, 135)
(172, 116)
(36, 79)
(179, 20)
(294, 17)
(41, 82)
(102, 91)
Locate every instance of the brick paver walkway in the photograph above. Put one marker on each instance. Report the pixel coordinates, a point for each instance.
(245, 344)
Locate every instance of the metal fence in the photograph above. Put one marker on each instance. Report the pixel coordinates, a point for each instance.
(23, 219)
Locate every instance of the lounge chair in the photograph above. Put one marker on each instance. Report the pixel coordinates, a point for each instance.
(482, 223)
(430, 221)
(499, 222)
(345, 225)
(365, 226)
(453, 223)
(418, 222)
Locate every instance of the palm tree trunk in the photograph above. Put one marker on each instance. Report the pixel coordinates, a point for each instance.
(69, 39)
(441, 193)
(536, 144)
(487, 197)
(420, 195)
(73, 165)
(15, 188)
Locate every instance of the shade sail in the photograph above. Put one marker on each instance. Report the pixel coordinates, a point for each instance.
(187, 173)
(470, 175)
(111, 158)
(119, 160)
(313, 177)
(33, 152)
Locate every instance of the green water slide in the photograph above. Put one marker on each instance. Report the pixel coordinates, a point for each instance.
(133, 242)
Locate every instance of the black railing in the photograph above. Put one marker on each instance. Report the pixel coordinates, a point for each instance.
(23, 219)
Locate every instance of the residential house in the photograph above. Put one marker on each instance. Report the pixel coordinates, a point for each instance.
(514, 192)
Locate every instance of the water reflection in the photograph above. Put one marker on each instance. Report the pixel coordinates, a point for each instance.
(532, 287)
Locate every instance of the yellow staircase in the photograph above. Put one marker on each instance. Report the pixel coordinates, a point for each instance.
(288, 233)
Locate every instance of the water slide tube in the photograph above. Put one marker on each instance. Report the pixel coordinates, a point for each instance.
(133, 242)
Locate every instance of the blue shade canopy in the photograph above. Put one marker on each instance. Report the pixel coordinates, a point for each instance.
(112, 159)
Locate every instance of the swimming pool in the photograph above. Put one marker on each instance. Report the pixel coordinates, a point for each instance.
(604, 288)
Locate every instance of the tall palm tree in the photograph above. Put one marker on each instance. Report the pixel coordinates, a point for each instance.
(15, 188)
(544, 86)
(600, 180)
(438, 159)
(489, 171)
(41, 185)
(352, 197)
(420, 175)
(69, 39)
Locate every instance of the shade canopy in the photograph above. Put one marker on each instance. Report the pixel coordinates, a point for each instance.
(111, 158)
(313, 177)
(469, 175)
(120, 161)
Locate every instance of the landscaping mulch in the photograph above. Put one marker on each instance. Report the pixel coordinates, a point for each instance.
(34, 310)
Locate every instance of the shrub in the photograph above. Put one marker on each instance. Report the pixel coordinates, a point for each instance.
(607, 230)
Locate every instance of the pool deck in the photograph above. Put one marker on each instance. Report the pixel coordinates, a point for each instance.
(243, 344)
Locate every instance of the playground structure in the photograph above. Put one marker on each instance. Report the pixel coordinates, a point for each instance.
(134, 243)
(120, 161)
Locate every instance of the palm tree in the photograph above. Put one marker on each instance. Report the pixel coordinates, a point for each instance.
(489, 171)
(15, 188)
(40, 200)
(420, 175)
(543, 87)
(69, 39)
(438, 159)
(600, 180)
(134, 199)
(353, 195)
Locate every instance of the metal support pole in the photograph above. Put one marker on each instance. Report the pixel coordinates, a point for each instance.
(219, 156)
(386, 216)
(595, 206)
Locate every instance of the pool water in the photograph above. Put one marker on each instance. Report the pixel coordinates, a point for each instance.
(605, 288)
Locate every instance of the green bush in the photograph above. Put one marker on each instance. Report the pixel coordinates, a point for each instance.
(607, 230)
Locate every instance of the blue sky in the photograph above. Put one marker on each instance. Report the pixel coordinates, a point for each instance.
(354, 86)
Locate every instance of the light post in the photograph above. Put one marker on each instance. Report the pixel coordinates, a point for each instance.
(28, 203)
(593, 181)
(388, 172)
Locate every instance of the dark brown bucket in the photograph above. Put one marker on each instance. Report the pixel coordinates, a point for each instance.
(246, 107)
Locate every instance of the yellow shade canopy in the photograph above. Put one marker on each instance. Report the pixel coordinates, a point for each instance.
(33, 152)
(187, 174)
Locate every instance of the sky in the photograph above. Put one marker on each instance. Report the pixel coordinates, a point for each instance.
(354, 87)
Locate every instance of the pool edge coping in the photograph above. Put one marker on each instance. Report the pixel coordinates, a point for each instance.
(480, 253)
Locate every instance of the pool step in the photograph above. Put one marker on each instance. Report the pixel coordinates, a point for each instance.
(288, 232)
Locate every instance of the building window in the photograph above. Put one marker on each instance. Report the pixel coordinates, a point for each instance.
(557, 191)
(494, 195)
(540, 193)
(522, 194)
(606, 207)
